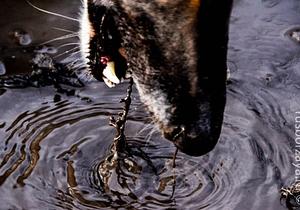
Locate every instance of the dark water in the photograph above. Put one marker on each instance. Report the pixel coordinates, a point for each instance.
(51, 152)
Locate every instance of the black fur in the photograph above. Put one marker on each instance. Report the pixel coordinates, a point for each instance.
(106, 42)
(176, 56)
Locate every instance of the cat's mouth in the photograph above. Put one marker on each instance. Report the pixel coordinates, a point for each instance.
(106, 58)
(178, 65)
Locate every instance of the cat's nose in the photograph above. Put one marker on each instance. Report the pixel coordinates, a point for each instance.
(191, 142)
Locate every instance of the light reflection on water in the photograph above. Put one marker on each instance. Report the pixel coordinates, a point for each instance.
(50, 152)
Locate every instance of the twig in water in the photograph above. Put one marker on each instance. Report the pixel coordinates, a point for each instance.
(119, 140)
(111, 162)
(174, 175)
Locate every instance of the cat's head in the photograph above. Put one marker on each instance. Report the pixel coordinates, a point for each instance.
(176, 52)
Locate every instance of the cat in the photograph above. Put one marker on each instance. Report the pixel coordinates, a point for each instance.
(175, 51)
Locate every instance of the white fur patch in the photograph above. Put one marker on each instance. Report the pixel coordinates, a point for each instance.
(157, 103)
(86, 32)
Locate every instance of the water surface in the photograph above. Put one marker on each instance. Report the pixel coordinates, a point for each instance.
(51, 151)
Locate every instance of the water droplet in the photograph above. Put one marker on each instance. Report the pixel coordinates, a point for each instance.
(2, 68)
(294, 34)
(22, 37)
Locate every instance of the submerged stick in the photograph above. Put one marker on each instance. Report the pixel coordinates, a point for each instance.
(111, 162)
(119, 143)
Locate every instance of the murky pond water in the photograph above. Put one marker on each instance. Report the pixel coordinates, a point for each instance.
(52, 147)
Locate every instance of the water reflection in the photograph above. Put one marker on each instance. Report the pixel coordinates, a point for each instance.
(53, 146)
(58, 145)
(58, 150)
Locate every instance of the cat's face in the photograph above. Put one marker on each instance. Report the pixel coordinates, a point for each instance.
(176, 53)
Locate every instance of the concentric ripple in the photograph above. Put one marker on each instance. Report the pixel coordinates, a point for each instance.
(60, 151)
(56, 155)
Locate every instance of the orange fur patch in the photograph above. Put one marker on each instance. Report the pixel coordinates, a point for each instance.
(195, 3)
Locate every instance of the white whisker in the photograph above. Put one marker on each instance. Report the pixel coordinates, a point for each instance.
(143, 129)
(66, 52)
(74, 53)
(71, 64)
(51, 13)
(78, 65)
(85, 76)
(65, 30)
(60, 38)
(69, 44)
(75, 62)
(148, 137)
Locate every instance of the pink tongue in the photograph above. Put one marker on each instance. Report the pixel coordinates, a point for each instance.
(104, 60)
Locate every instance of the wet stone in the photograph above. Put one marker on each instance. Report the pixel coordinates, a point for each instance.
(22, 37)
(45, 72)
(43, 61)
(46, 49)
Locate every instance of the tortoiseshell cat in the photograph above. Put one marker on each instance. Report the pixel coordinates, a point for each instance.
(175, 50)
